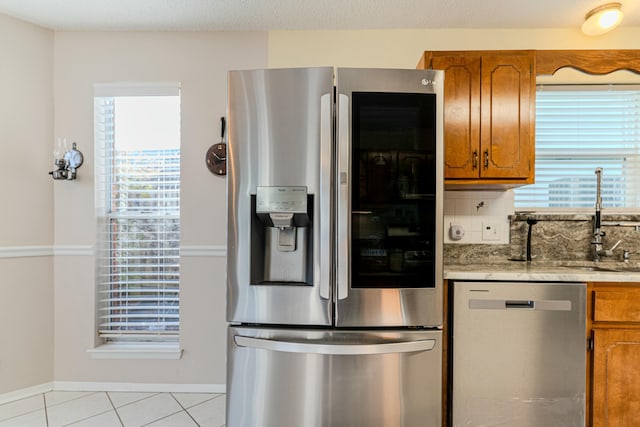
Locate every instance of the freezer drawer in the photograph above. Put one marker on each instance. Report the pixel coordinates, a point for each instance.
(519, 354)
(287, 377)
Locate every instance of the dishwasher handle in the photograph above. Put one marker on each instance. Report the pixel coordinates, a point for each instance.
(519, 304)
(536, 305)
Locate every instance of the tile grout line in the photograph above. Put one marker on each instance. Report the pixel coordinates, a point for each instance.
(158, 419)
(115, 409)
(23, 413)
(225, 416)
(217, 396)
(85, 419)
(46, 413)
(91, 416)
(87, 394)
(152, 394)
(165, 417)
(184, 409)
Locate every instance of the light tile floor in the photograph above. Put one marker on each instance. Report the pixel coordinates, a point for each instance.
(115, 409)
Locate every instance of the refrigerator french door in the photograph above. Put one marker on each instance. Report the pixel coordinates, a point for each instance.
(280, 169)
(389, 198)
(334, 247)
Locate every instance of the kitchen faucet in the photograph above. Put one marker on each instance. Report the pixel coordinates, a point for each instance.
(598, 234)
(530, 222)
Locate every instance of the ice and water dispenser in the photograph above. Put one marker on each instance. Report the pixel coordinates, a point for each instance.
(281, 237)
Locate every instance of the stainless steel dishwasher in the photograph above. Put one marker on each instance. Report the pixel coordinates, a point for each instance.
(518, 354)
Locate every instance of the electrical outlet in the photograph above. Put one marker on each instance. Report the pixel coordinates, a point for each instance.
(490, 232)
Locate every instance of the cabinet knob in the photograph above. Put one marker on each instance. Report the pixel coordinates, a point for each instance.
(486, 159)
(474, 164)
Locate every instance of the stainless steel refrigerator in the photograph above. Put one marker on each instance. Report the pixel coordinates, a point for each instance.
(334, 268)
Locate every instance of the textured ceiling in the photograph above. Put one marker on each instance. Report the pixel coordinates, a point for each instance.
(306, 14)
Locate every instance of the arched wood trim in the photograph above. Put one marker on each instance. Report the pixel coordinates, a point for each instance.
(588, 61)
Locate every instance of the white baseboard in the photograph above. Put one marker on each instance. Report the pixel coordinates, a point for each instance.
(138, 387)
(96, 386)
(25, 392)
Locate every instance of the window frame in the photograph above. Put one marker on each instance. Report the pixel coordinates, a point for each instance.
(103, 183)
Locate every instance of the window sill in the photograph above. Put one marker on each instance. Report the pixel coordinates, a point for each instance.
(166, 351)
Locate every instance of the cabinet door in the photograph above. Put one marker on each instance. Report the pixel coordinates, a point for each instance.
(461, 114)
(616, 377)
(507, 110)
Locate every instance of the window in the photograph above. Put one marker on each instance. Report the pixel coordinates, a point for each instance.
(580, 128)
(137, 149)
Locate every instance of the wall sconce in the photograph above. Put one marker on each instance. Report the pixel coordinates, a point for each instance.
(602, 19)
(66, 163)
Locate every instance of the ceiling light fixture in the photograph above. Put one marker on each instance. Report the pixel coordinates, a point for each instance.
(602, 19)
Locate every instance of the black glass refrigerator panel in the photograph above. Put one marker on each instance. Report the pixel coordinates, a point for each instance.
(393, 192)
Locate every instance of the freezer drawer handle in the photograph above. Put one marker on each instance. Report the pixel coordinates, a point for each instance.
(335, 349)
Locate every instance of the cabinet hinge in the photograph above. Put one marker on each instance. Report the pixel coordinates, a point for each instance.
(589, 344)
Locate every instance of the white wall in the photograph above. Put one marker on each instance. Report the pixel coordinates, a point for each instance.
(26, 215)
(403, 48)
(26, 120)
(199, 61)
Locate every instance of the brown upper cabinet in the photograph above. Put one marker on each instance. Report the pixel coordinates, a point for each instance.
(588, 61)
(489, 108)
(489, 113)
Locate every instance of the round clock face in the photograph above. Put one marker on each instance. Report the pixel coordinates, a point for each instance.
(217, 159)
(74, 158)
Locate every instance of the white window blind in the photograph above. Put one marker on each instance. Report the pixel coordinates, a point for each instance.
(580, 128)
(137, 138)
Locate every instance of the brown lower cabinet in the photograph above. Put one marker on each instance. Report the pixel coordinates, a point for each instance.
(613, 311)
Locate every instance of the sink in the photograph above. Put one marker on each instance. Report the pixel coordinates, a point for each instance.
(592, 268)
(612, 268)
(629, 269)
(585, 265)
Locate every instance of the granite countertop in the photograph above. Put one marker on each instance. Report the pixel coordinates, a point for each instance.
(546, 271)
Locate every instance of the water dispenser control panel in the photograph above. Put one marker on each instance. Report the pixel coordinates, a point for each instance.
(281, 199)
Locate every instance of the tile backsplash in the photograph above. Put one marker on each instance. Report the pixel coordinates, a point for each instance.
(489, 230)
(477, 217)
(554, 238)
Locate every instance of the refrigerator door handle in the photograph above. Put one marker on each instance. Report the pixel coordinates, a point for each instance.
(326, 136)
(344, 213)
(334, 349)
